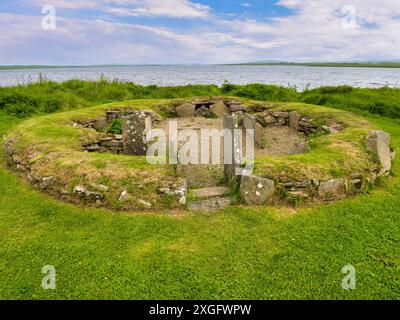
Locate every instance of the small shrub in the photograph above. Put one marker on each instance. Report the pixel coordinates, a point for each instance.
(227, 87)
(115, 127)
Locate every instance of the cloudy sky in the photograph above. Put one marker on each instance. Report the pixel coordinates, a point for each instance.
(198, 31)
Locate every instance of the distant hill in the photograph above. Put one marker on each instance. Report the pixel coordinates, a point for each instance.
(329, 64)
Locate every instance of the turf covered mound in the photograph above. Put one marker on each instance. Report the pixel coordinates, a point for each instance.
(303, 154)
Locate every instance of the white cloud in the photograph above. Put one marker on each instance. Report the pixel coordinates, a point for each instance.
(170, 8)
(313, 32)
(154, 8)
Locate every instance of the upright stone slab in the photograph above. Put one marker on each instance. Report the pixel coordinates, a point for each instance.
(378, 143)
(134, 132)
(250, 123)
(232, 147)
(258, 134)
(294, 119)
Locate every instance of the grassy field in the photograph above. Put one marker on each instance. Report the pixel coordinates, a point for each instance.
(240, 253)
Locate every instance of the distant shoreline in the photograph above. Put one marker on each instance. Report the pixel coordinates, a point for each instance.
(289, 64)
(325, 64)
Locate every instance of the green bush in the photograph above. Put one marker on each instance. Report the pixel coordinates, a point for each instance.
(115, 127)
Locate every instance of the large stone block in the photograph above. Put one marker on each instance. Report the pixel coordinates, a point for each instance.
(378, 143)
(332, 188)
(134, 127)
(219, 109)
(256, 190)
(186, 110)
(294, 119)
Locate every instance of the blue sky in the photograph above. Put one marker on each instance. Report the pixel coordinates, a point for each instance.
(198, 31)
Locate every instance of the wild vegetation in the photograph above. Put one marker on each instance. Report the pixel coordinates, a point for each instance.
(239, 253)
(47, 96)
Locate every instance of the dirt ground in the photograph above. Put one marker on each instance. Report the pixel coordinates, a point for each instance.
(278, 140)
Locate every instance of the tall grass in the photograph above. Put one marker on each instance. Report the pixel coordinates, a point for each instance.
(48, 96)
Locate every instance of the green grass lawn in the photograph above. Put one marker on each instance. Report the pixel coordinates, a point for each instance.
(239, 253)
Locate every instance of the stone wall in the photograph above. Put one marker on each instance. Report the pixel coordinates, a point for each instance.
(209, 108)
(257, 190)
(132, 141)
(108, 143)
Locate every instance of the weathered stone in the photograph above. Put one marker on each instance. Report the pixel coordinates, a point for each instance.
(32, 178)
(281, 121)
(135, 126)
(179, 190)
(258, 134)
(82, 192)
(112, 115)
(332, 188)
(203, 112)
(113, 143)
(219, 109)
(281, 114)
(47, 182)
(99, 187)
(304, 123)
(249, 121)
(124, 196)
(269, 120)
(356, 183)
(232, 147)
(100, 124)
(301, 147)
(210, 192)
(315, 182)
(294, 119)
(237, 107)
(92, 147)
(298, 194)
(210, 204)
(256, 190)
(330, 130)
(378, 142)
(144, 204)
(355, 176)
(186, 110)
(302, 184)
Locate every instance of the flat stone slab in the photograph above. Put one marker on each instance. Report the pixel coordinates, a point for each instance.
(210, 192)
(210, 205)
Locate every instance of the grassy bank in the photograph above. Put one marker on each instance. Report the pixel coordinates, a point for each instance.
(249, 253)
(48, 97)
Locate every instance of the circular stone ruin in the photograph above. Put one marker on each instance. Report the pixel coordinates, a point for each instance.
(97, 156)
